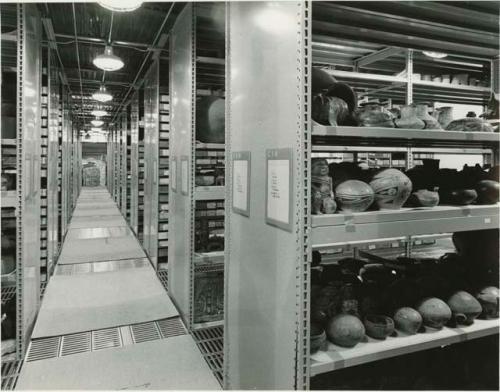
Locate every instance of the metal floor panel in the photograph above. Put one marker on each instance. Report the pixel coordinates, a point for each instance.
(169, 364)
(85, 302)
(101, 212)
(100, 249)
(96, 221)
(98, 232)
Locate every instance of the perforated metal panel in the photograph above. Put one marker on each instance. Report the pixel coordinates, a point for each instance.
(10, 373)
(76, 343)
(210, 341)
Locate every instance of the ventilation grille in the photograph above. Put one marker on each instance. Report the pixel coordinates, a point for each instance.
(100, 266)
(75, 343)
(105, 338)
(44, 349)
(102, 339)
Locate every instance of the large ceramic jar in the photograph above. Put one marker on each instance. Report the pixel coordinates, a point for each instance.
(407, 320)
(345, 330)
(408, 118)
(464, 307)
(422, 112)
(374, 115)
(354, 196)
(435, 313)
(488, 297)
(445, 116)
(210, 119)
(391, 187)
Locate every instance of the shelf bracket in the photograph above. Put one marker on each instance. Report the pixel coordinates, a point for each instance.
(409, 76)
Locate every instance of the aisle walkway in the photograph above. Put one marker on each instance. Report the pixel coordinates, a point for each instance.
(106, 321)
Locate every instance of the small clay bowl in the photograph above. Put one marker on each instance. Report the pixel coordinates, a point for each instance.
(318, 337)
(378, 326)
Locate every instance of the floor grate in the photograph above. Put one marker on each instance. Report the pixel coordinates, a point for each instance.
(102, 339)
(163, 276)
(210, 341)
(10, 373)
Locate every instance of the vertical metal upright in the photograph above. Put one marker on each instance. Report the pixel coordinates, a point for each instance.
(65, 161)
(182, 142)
(267, 250)
(29, 31)
(134, 162)
(123, 162)
(151, 142)
(52, 164)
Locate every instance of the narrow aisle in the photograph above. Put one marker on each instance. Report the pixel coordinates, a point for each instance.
(106, 321)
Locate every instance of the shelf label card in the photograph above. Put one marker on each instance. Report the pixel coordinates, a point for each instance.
(173, 174)
(184, 175)
(279, 188)
(241, 182)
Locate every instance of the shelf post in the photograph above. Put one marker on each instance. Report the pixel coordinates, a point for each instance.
(409, 76)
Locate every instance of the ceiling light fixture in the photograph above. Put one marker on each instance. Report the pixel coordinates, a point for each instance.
(97, 123)
(120, 5)
(102, 95)
(99, 113)
(435, 55)
(107, 61)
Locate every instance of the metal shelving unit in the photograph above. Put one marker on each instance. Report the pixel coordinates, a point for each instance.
(134, 163)
(21, 164)
(44, 122)
(196, 211)
(163, 178)
(270, 233)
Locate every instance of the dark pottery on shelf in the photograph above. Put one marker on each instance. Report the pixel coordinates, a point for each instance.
(354, 196)
(464, 307)
(346, 94)
(210, 119)
(345, 330)
(458, 197)
(487, 192)
(320, 80)
(488, 297)
(408, 320)
(391, 187)
(435, 312)
(377, 273)
(318, 337)
(378, 326)
(424, 198)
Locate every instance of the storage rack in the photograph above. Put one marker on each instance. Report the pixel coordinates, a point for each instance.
(21, 148)
(134, 163)
(128, 171)
(141, 168)
(44, 164)
(123, 125)
(195, 276)
(163, 174)
(267, 286)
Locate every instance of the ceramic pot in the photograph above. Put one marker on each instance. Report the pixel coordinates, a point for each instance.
(487, 192)
(409, 119)
(354, 196)
(464, 307)
(422, 112)
(321, 80)
(391, 187)
(204, 180)
(488, 297)
(374, 115)
(210, 119)
(445, 116)
(378, 326)
(322, 199)
(469, 124)
(408, 320)
(318, 337)
(457, 197)
(424, 198)
(320, 110)
(345, 330)
(435, 313)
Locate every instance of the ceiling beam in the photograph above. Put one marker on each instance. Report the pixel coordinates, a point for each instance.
(103, 42)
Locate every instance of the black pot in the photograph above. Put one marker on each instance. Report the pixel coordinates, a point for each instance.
(487, 192)
(460, 197)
